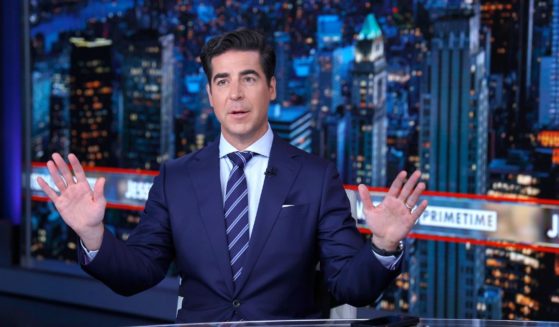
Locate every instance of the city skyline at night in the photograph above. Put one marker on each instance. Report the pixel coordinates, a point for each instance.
(465, 90)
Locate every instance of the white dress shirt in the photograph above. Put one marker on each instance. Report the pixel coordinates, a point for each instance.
(254, 169)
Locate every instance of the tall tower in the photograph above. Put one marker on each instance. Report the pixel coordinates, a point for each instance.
(148, 87)
(292, 124)
(59, 113)
(445, 279)
(91, 92)
(328, 37)
(454, 105)
(283, 65)
(511, 23)
(366, 161)
(554, 75)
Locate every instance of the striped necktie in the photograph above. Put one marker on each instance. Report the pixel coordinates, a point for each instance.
(236, 212)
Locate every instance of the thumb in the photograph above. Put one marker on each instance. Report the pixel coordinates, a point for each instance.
(365, 197)
(98, 189)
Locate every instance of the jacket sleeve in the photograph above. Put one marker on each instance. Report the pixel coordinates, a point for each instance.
(143, 260)
(352, 272)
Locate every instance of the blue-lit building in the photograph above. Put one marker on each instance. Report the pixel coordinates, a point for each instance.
(334, 92)
(283, 65)
(59, 119)
(445, 279)
(328, 37)
(292, 124)
(185, 134)
(195, 96)
(324, 73)
(554, 74)
(40, 127)
(367, 122)
(489, 303)
(333, 143)
(342, 65)
(148, 89)
(91, 91)
(329, 31)
(454, 105)
(544, 110)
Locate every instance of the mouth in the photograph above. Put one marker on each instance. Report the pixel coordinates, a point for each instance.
(238, 113)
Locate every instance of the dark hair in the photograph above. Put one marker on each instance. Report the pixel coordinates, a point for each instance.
(242, 39)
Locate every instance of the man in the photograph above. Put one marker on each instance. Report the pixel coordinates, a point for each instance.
(247, 218)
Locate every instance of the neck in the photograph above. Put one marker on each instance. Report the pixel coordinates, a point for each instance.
(244, 141)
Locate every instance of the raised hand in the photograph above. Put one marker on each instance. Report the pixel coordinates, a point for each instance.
(79, 206)
(395, 216)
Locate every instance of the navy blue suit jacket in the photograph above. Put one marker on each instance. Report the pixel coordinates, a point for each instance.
(183, 220)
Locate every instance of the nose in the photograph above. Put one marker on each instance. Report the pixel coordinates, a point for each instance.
(236, 91)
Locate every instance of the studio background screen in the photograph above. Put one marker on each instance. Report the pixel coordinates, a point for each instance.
(467, 91)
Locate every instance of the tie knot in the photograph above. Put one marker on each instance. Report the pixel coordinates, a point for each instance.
(240, 158)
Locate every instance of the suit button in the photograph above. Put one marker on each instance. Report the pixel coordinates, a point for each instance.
(236, 303)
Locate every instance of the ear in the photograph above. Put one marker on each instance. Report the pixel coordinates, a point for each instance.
(272, 88)
(209, 92)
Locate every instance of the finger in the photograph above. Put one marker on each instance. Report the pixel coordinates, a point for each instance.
(365, 197)
(409, 186)
(63, 168)
(397, 184)
(98, 190)
(77, 168)
(414, 197)
(419, 210)
(47, 189)
(55, 174)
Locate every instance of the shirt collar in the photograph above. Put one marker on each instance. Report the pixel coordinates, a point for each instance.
(262, 146)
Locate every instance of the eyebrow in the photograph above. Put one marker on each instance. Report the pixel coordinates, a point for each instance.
(242, 73)
(220, 75)
(249, 72)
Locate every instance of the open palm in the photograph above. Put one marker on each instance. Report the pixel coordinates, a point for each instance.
(79, 206)
(393, 218)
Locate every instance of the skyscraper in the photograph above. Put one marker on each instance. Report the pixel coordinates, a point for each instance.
(329, 31)
(454, 105)
(42, 84)
(91, 91)
(292, 124)
(342, 63)
(445, 278)
(511, 24)
(283, 65)
(328, 37)
(148, 87)
(367, 123)
(554, 75)
(59, 113)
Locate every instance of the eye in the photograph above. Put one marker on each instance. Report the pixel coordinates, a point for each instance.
(250, 79)
(221, 82)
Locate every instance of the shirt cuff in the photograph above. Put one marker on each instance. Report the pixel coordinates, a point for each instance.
(389, 262)
(90, 255)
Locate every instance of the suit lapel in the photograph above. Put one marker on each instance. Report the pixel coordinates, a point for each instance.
(205, 173)
(274, 192)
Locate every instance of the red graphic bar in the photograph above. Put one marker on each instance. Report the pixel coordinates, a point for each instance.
(109, 170)
(467, 196)
(114, 170)
(110, 205)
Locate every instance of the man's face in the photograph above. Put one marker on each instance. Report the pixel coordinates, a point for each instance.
(240, 96)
